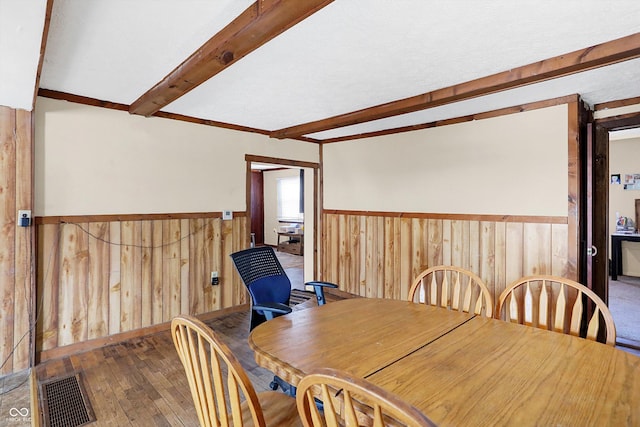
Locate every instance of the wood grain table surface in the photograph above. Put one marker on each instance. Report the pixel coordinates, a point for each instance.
(490, 372)
(456, 368)
(339, 335)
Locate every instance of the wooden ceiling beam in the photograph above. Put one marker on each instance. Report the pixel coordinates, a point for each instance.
(604, 54)
(43, 47)
(259, 23)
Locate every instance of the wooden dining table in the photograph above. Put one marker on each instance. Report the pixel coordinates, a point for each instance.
(457, 368)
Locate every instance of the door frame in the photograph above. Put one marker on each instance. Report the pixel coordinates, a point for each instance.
(250, 158)
(600, 166)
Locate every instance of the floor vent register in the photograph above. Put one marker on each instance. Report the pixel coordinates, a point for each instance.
(65, 403)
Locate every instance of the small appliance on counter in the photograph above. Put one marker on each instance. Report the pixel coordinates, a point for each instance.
(625, 225)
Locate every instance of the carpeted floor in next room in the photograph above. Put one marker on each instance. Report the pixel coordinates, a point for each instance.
(294, 267)
(624, 303)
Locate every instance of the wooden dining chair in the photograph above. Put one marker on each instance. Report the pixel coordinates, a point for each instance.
(350, 401)
(453, 288)
(556, 304)
(219, 384)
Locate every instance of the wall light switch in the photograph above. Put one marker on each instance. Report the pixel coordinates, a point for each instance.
(226, 215)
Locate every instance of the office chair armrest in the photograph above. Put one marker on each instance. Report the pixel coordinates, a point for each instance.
(318, 288)
(272, 309)
(322, 284)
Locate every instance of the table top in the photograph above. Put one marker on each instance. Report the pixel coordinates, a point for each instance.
(508, 374)
(338, 335)
(458, 369)
(620, 234)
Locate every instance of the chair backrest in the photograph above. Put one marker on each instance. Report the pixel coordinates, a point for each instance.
(556, 304)
(453, 288)
(255, 263)
(262, 274)
(217, 381)
(351, 401)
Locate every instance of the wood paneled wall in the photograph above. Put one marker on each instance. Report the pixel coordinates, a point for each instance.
(16, 278)
(379, 254)
(98, 276)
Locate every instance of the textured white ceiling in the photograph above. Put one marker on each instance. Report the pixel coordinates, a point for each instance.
(595, 86)
(21, 26)
(350, 55)
(115, 50)
(359, 53)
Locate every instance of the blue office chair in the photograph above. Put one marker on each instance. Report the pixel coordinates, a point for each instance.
(270, 289)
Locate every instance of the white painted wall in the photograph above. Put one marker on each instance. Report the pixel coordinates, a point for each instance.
(514, 164)
(94, 161)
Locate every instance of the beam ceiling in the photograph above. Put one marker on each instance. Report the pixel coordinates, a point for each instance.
(604, 54)
(259, 23)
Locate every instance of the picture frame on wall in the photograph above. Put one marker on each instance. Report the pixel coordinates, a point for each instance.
(632, 181)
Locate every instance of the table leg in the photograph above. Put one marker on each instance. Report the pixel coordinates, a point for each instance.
(616, 258)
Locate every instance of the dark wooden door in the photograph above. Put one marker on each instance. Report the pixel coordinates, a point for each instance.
(590, 247)
(599, 212)
(257, 206)
(600, 230)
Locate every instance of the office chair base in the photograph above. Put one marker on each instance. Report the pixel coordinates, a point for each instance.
(284, 386)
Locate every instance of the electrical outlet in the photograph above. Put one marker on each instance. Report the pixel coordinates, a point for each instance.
(214, 278)
(24, 218)
(227, 215)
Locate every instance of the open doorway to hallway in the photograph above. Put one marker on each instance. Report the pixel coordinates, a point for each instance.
(291, 224)
(624, 293)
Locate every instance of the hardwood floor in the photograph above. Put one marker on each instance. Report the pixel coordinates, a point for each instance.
(141, 382)
(136, 382)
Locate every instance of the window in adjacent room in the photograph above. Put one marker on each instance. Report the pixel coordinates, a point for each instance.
(289, 199)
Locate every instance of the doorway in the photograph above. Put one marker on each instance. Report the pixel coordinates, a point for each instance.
(304, 266)
(620, 303)
(624, 292)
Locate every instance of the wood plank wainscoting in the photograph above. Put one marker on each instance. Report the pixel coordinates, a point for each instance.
(107, 278)
(16, 244)
(378, 254)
